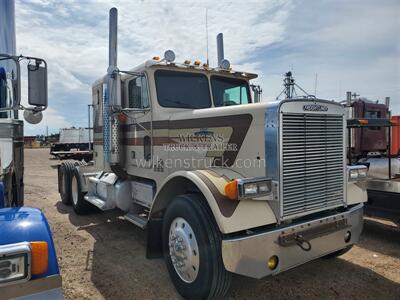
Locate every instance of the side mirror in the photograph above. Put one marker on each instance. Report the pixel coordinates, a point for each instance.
(37, 83)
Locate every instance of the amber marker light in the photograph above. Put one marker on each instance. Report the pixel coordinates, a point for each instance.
(197, 63)
(187, 62)
(231, 190)
(363, 122)
(39, 257)
(156, 58)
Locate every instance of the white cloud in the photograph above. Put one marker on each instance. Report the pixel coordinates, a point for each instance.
(73, 37)
(352, 45)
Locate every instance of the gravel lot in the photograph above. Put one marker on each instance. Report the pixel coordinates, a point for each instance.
(102, 256)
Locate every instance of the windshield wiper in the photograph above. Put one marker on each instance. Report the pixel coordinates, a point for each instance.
(186, 105)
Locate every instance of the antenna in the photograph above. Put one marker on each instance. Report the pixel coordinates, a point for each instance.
(316, 83)
(208, 63)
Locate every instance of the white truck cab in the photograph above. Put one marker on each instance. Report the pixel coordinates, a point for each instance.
(221, 184)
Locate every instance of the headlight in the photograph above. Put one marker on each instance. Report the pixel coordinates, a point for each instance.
(254, 187)
(353, 174)
(362, 173)
(357, 173)
(250, 189)
(15, 260)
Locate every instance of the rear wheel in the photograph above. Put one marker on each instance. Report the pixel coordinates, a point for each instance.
(192, 249)
(64, 180)
(80, 205)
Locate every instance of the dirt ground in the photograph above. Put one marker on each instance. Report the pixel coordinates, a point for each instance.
(101, 256)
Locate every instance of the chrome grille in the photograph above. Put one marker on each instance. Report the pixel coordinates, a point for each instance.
(312, 163)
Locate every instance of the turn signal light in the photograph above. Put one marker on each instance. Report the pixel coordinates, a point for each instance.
(231, 190)
(363, 121)
(40, 257)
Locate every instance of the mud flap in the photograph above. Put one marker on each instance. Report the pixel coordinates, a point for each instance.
(154, 239)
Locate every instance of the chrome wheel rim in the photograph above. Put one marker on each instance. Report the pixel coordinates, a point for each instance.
(183, 250)
(74, 189)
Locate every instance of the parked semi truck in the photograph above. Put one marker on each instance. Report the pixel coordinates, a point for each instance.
(374, 141)
(28, 262)
(221, 184)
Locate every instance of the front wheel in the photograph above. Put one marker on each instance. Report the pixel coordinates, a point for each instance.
(192, 249)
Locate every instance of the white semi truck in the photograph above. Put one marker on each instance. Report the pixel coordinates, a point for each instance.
(221, 184)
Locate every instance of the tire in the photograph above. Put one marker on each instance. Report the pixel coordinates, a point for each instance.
(64, 180)
(338, 253)
(80, 205)
(189, 213)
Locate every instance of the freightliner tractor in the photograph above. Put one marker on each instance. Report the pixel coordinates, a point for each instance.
(28, 262)
(221, 184)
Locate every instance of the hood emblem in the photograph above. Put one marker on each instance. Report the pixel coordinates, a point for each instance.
(315, 107)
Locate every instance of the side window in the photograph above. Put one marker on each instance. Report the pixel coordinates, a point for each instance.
(230, 91)
(237, 94)
(138, 95)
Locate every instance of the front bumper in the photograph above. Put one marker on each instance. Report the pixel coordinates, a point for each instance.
(47, 288)
(249, 255)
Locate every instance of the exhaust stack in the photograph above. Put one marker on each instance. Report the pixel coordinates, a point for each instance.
(113, 40)
(112, 99)
(220, 48)
(348, 98)
(387, 102)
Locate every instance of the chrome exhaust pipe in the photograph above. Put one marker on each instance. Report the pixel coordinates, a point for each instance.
(111, 134)
(220, 48)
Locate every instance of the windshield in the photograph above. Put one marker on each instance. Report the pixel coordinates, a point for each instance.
(229, 91)
(182, 89)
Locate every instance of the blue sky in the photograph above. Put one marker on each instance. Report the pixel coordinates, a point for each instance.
(352, 45)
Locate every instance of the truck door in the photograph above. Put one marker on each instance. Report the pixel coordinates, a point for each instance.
(137, 132)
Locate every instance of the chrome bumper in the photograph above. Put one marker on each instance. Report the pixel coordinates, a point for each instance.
(249, 255)
(47, 288)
